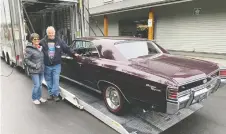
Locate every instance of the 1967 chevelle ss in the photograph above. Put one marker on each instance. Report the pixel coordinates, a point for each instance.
(134, 71)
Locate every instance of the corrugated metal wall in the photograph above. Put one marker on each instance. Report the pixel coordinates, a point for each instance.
(177, 28)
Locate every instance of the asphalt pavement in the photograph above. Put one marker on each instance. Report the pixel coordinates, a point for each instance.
(20, 116)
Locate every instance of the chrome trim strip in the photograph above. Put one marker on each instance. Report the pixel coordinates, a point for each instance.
(213, 72)
(98, 91)
(202, 91)
(113, 85)
(188, 82)
(184, 98)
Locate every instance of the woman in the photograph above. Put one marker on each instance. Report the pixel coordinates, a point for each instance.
(34, 60)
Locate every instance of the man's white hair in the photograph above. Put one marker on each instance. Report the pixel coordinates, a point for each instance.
(50, 28)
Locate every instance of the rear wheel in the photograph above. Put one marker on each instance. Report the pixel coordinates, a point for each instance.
(7, 59)
(114, 100)
(3, 55)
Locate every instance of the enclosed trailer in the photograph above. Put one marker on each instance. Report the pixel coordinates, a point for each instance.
(20, 18)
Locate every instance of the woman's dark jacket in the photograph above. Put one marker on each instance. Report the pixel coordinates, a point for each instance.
(34, 59)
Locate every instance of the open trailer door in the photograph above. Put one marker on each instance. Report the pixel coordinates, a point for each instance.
(65, 15)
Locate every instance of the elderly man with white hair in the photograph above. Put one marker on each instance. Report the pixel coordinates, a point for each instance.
(52, 48)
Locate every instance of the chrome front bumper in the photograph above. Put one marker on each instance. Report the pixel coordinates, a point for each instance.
(192, 96)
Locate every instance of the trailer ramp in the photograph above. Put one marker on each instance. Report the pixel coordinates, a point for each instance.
(137, 121)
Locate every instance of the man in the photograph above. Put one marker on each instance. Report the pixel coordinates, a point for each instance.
(52, 48)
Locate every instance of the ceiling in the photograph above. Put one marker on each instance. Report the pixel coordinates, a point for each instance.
(45, 5)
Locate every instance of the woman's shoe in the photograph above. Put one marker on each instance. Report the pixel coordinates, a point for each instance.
(37, 102)
(42, 100)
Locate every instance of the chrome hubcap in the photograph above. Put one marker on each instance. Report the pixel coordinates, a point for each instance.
(112, 98)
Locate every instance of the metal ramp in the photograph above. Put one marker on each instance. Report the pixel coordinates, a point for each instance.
(135, 122)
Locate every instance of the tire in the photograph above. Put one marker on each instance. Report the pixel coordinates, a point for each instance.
(7, 59)
(3, 55)
(117, 104)
(12, 64)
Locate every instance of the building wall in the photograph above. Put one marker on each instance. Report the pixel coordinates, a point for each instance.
(177, 28)
(98, 7)
(97, 3)
(114, 19)
(113, 28)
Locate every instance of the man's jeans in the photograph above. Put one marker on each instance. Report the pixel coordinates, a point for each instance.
(37, 86)
(52, 77)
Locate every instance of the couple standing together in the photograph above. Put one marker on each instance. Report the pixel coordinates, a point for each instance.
(43, 59)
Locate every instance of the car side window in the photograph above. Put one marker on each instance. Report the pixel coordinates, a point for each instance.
(85, 48)
(152, 49)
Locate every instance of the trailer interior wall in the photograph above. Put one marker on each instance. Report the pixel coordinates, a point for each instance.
(178, 28)
(60, 14)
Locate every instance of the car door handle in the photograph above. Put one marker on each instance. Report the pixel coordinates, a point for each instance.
(68, 57)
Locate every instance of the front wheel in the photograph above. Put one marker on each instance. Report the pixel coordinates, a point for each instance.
(114, 100)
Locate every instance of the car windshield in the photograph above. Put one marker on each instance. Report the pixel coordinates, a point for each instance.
(136, 49)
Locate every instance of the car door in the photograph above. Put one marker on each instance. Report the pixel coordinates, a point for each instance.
(65, 65)
(89, 67)
(70, 66)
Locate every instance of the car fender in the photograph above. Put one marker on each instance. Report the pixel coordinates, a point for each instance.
(108, 82)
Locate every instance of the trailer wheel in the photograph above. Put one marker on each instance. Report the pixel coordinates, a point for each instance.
(114, 100)
(3, 55)
(7, 59)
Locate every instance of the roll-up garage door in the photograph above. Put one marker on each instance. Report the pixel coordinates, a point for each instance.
(196, 26)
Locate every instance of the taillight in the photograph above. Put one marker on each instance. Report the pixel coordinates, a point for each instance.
(223, 72)
(172, 94)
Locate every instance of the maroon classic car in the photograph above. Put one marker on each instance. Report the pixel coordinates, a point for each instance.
(134, 71)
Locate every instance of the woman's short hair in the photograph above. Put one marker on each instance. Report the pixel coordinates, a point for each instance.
(34, 35)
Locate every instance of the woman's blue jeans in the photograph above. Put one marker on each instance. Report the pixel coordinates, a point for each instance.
(37, 85)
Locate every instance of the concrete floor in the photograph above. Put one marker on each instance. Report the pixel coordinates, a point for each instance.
(20, 116)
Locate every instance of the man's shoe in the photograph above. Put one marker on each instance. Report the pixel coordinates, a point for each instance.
(37, 102)
(56, 98)
(50, 97)
(42, 100)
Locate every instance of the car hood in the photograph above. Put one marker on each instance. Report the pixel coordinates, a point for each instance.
(176, 68)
